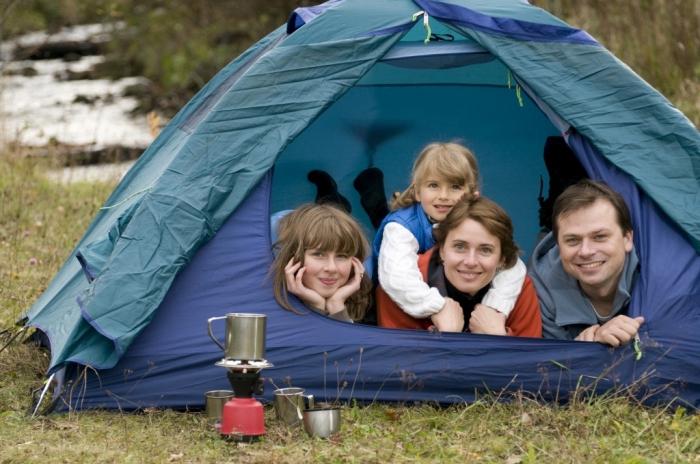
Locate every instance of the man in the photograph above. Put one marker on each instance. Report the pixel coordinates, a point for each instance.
(585, 269)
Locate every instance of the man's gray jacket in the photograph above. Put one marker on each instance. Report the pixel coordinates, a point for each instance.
(566, 311)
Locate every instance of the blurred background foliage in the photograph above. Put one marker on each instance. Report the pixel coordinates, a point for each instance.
(658, 39)
(179, 44)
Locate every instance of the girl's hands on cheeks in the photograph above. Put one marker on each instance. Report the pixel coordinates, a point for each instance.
(336, 302)
(293, 273)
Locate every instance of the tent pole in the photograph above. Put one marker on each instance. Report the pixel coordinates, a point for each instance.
(43, 393)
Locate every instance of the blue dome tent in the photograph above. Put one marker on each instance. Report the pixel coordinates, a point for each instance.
(342, 87)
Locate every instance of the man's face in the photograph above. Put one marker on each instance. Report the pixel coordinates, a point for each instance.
(592, 247)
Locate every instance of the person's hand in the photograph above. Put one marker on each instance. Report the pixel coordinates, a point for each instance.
(293, 273)
(618, 330)
(450, 318)
(336, 302)
(486, 320)
(588, 335)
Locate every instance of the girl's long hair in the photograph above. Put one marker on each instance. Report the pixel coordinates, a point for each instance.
(326, 228)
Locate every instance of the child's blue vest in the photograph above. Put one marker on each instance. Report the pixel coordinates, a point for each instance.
(412, 218)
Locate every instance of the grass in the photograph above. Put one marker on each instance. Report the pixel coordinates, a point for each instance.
(41, 221)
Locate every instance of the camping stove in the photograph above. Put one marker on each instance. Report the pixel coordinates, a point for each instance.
(243, 418)
(244, 357)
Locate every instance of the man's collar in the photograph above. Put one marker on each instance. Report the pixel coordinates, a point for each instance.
(572, 305)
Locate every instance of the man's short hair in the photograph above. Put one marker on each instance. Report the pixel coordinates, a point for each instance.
(582, 195)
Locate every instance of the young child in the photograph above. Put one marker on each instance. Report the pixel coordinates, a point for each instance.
(442, 174)
(319, 257)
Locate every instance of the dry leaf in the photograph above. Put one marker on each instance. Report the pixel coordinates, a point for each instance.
(393, 414)
(514, 459)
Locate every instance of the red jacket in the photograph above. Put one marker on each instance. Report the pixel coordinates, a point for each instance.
(523, 321)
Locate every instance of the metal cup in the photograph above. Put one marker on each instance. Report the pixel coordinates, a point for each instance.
(289, 404)
(244, 336)
(214, 401)
(322, 422)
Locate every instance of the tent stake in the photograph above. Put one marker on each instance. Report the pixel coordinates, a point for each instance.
(13, 338)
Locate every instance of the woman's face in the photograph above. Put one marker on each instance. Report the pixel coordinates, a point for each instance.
(471, 256)
(326, 271)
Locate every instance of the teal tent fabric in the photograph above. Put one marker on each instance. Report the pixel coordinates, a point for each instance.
(227, 150)
(221, 144)
(631, 124)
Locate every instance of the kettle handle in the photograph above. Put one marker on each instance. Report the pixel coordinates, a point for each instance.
(211, 334)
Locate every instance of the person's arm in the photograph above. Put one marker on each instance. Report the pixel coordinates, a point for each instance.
(505, 288)
(550, 329)
(618, 331)
(485, 320)
(525, 320)
(335, 305)
(293, 274)
(588, 334)
(450, 318)
(341, 315)
(400, 277)
(548, 311)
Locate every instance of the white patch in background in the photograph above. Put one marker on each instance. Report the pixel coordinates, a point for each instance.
(41, 109)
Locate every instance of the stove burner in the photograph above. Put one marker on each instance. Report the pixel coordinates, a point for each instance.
(242, 365)
(243, 418)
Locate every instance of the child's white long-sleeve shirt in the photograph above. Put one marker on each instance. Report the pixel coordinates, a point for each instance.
(401, 279)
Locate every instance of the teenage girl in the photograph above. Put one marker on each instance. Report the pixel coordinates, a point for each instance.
(320, 250)
(442, 174)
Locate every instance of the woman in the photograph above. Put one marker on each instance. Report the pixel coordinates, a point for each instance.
(320, 250)
(472, 243)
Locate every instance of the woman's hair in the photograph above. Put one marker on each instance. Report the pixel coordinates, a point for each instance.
(446, 160)
(487, 213)
(325, 228)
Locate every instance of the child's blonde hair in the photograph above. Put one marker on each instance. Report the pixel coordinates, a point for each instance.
(446, 160)
(326, 228)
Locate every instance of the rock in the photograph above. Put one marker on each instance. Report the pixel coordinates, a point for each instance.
(68, 50)
(85, 99)
(25, 71)
(70, 43)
